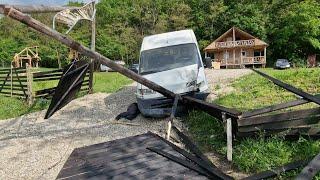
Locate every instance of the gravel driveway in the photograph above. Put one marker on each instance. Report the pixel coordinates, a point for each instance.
(34, 148)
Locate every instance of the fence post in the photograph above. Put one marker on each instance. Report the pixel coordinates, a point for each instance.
(91, 69)
(229, 135)
(29, 84)
(11, 79)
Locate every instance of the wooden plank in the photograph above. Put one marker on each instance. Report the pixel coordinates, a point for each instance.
(214, 110)
(16, 94)
(277, 171)
(189, 156)
(290, 88)
(194, 149)
(294, 124)
(286, 116)
(47, 79)
(179, 161)
(15, 89)
(48, 75)
(8, 69)
(15, 85)
(310, 170)
(57, 71)
(275, 107)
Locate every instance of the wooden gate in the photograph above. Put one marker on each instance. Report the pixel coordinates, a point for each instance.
(13, 82)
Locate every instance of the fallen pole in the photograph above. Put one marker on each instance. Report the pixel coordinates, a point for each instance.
(40, 27)
(290, 88)
(36, 8)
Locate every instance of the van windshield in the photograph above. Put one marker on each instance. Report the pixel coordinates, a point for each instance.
(166, 58)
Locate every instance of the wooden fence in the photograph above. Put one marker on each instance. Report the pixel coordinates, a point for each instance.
(20, 82)
(13, 82)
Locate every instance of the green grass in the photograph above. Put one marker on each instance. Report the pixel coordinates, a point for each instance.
(252, 91)
(108, 82)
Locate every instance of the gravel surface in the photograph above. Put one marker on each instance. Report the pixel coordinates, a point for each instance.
(34, 148)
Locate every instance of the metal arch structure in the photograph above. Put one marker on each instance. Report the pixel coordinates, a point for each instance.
(72, 16)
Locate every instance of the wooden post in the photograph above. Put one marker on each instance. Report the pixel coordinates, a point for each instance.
(265, 56)
(93, 47)
(29, 84)
(234, 57)
(241, 58)
(11, 79)
(229, 135)
(172, 115)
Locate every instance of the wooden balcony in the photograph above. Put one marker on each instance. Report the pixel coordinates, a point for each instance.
(231, 44)
(258, 60)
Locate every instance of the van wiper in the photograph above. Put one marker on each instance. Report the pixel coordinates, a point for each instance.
(148, 72)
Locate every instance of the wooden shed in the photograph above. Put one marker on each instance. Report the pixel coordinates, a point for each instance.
(237, 49)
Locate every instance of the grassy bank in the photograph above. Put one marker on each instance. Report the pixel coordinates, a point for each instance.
(250, 92)
(109, 82)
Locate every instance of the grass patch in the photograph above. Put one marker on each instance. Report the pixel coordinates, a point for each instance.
(253, 91)
(108, 82)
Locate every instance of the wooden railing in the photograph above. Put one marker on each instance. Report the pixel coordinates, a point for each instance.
(244, 60)
(229, 44)
(253, 60)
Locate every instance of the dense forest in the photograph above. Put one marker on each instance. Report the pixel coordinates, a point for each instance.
(290, 27)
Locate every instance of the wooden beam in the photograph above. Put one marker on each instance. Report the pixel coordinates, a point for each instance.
(214, 110)
(275, 107)
(35, 8)
(194, 149)
(290, 88)
(286, 116)
(310, 170)
(180, 161)
(190, 157)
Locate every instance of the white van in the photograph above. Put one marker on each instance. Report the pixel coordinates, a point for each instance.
(173, 61)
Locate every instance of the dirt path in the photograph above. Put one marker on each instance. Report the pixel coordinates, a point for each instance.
(34, 148)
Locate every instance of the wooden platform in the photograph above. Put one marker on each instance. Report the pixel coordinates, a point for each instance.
(125, 158)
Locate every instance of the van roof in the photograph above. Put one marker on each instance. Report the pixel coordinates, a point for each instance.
(168, 39)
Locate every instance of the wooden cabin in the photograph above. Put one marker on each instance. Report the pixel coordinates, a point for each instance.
(237, 49)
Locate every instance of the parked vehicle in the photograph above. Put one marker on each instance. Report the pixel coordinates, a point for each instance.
(282, 64)
(105, 68)
(134, 68)
(173, 61)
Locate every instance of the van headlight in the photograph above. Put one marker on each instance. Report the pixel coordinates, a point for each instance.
(146, 91)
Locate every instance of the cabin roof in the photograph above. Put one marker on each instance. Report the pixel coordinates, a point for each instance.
(244, 34)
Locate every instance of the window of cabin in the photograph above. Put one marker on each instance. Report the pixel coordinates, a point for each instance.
(258, 53)
(244, 53)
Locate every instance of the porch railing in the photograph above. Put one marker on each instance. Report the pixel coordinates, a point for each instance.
(244, 60)
(229, 44)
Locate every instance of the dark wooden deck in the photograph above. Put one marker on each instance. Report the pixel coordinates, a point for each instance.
(125, 158)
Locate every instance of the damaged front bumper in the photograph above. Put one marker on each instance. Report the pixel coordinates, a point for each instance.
(162, 107)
